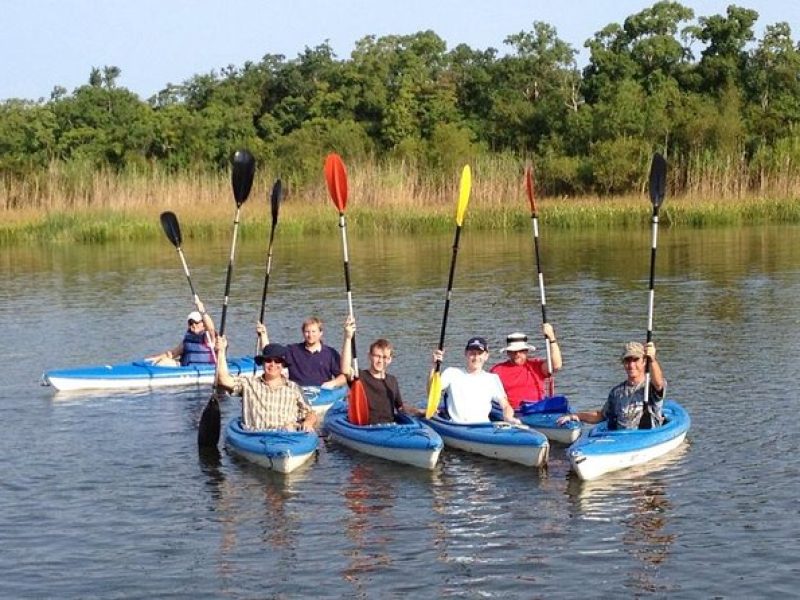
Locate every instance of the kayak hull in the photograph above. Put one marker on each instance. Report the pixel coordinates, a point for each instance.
(494, 440)
(281, 451)
(601, 451)
(139, 374)
(408, 441)
(322, 399)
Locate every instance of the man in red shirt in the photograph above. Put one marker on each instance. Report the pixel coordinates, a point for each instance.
(524, 377)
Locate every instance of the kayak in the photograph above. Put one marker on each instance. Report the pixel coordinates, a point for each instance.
(321, 399)
(601, 451)
(494, 439)
(281, 451)
(542, 417)
(139, 374)
(407, 441)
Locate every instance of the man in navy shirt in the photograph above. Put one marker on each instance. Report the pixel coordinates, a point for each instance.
(310, 362)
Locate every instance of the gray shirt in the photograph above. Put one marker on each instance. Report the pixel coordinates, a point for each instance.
(625, 405)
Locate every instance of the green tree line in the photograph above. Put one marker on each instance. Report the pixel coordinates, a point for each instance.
(721, 104)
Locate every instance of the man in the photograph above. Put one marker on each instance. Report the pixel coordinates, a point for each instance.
(382, 390)
(269, 400)
(469, 392)
(197, 345)
(310, 362)
(524, 377)
(624, 408)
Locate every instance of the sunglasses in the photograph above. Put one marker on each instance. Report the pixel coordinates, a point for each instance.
(631, 359)
(273, 360)
(195, 322)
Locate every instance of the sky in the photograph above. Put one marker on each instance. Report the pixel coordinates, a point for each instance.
(44, 43)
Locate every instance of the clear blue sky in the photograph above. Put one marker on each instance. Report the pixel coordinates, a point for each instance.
(154, 42)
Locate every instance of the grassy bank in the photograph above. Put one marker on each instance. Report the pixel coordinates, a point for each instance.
(309, 216)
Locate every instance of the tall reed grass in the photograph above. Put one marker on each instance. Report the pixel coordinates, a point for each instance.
(80, 205)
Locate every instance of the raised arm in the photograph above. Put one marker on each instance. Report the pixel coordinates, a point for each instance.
(555, 349)
(346, 356)
(224, 378)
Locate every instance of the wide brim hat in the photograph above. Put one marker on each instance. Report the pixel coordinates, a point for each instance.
(517, 341)
(271, 351)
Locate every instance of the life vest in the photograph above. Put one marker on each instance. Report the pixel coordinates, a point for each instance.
(196, 350)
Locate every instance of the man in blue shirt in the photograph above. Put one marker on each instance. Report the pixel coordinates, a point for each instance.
(310, 362)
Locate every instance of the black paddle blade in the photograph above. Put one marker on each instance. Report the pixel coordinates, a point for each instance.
(658, 180)
(275, 200)
(210, 421)
(169, 222)
(244, 168)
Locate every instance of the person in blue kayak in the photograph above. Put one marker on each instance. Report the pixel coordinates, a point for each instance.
(469, 392)
(624, 408)
(523, 376)
(382, 390)
(310, 362)
(269, 399)
(197, 345)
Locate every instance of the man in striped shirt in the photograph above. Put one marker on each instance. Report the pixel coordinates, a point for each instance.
(269, 401)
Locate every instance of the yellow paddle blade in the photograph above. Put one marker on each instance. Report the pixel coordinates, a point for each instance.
(434, 393)
(463, 194)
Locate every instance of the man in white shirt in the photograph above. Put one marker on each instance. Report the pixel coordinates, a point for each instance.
(469, 392)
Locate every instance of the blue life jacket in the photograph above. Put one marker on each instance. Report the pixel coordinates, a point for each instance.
(196, 350)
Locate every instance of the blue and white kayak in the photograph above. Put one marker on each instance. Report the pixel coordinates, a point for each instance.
(494, 439)
(139, 374)
(281, 451)
(408, 441)
(321, 399)
(542, 417)
(601, 451)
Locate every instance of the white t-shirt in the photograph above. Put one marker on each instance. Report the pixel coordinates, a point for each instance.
(470, 395)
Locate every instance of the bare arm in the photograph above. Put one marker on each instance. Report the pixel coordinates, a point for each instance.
(224, 378)
(346, 356)
(263, 336)
(656, 374)
(555, 349)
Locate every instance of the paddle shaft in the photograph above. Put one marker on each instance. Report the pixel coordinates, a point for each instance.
(542, 296)
(343, 227)
(449, 294)
(651, 300)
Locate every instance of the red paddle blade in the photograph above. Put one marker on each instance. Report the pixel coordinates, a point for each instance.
(336, 177)
(529, 187)
(357, 405)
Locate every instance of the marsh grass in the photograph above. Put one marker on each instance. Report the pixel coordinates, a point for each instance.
(80, 206)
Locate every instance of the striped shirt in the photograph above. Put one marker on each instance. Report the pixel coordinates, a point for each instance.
(267, 407)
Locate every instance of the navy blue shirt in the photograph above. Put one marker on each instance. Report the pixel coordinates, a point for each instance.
(312, 368)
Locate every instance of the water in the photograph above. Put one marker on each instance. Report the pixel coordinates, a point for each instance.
(103, 495)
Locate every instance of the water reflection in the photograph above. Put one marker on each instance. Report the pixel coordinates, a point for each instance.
(637, 499)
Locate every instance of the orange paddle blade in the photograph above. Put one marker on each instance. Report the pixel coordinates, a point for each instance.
(336, 178)
(357, 405)
(529, 187)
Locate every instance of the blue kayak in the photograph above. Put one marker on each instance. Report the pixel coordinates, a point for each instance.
(281, 451)
(139, 374)
(407, 441)
(602, 451)
(542, 417)
(321, 399)
(494, 439)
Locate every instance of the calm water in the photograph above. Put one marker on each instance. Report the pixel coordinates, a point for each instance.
(104, 495)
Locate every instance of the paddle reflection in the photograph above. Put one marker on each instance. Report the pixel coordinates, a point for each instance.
(638, 499)
(370, 499)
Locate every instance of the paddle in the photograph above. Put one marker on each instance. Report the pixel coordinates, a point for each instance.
(658, 185)
(244, 166)
(336, 178)
(169, 222)
(275, 202)
(543, 300)
(435, 388)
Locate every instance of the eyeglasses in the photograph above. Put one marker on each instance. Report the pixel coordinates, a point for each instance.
(273, 360)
